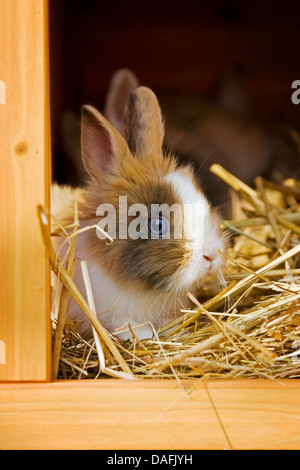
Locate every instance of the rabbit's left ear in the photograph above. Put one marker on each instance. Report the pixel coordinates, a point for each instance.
(101, 144)
(143, 124)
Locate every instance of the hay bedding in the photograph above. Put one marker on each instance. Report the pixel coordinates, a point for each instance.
(247, 328)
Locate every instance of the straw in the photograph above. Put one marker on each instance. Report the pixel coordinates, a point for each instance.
(246, 327)
(69, 284)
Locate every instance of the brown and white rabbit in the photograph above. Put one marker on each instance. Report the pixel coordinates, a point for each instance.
(142, 280)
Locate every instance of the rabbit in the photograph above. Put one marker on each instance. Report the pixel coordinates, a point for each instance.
(141, 281)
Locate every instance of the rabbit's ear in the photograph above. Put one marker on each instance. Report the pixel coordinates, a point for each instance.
(100, 142)
(143, 124)
(122, 84)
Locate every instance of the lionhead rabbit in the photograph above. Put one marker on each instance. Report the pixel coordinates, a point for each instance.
(156, 256)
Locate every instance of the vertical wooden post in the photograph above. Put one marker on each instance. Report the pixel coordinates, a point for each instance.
(25, 333)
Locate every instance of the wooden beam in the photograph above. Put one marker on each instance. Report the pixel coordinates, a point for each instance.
(25, 182)
(259, 414)
(151, 414)
(107, 414)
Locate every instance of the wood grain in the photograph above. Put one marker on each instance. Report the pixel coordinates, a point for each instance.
(107, 414)
(153, 414)
(24, 182)
(259, 414)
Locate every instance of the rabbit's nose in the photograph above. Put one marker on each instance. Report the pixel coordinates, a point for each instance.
(209, 254)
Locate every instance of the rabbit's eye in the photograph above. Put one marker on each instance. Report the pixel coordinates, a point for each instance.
(158, 226)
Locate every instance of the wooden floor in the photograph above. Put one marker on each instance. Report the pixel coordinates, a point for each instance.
(154, 414)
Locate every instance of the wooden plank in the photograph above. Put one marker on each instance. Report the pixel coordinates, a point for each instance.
(262, 414)
(24, 180)
(150, 414)
(107, 414)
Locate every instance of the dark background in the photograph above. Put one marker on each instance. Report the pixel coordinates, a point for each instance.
(175, 46)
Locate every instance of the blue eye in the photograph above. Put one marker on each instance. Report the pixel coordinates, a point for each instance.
(157, 226)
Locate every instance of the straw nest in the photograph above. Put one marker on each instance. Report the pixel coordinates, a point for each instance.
(249, 328)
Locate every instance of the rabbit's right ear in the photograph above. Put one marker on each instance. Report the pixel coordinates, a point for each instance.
(101, 144)
(143, 124)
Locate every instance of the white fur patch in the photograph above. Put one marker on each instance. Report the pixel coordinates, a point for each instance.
(200, 231)
(194, 204)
